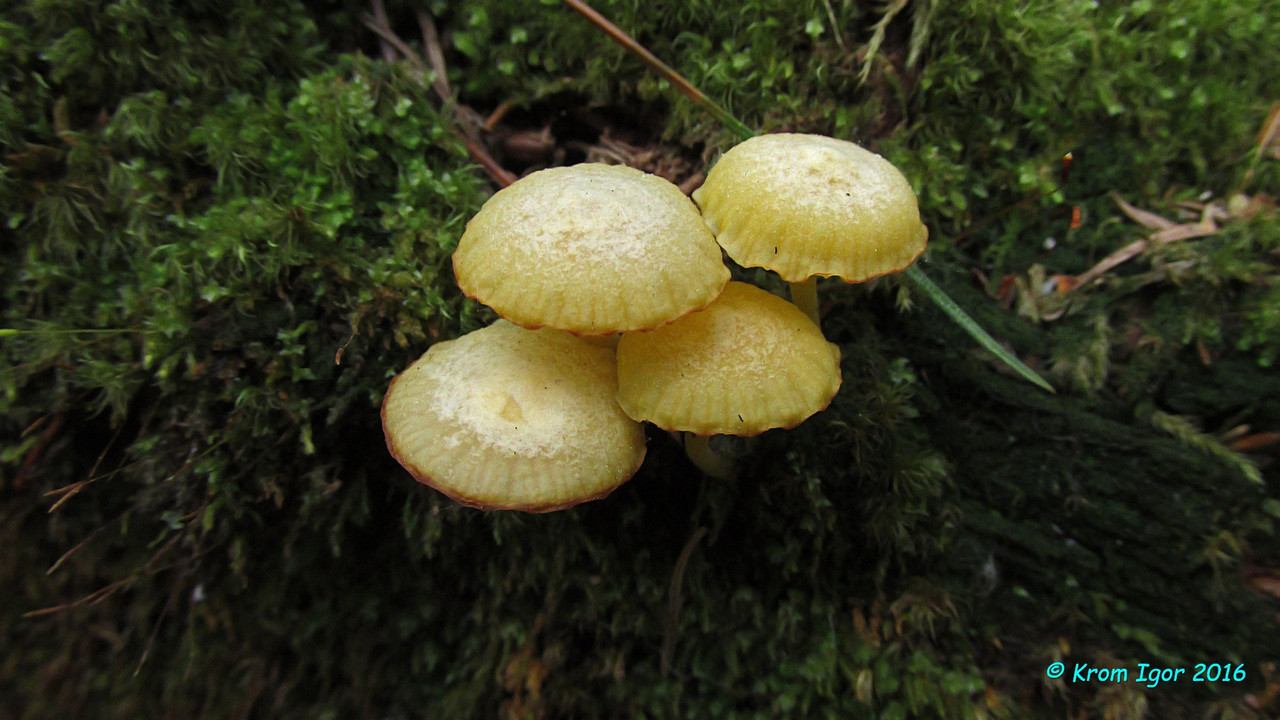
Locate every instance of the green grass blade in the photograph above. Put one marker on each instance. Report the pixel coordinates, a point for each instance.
(971, 326)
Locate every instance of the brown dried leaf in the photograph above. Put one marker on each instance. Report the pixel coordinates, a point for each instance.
(1269, 136)
(1142, 217)
(1184, 232)
(1166, 232)
(1116, 258)
(1256, 441)
(1269, 584)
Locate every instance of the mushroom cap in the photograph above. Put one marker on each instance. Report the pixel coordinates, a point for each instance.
(593, 249)
(513, 419)
(748, 363)
(805, 205)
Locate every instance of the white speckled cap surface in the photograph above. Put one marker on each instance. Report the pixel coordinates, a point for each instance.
(592, 249)
(804, 205)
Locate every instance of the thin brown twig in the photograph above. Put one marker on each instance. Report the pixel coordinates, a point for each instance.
(94, 597)
(37, 451)
(435, 55)
(107, 591)
(1001, 213)
(63, 558)
(613, 31)
(380, 17)
(496, 116)
(37, 425)
(155, 629)
(693, 182)
(685, 87)
(500, 175)
(386, 34)
(466, 121)
(675, 600)
(1166, 231)
(1144, 218)
(1269, 135)
(69, 491)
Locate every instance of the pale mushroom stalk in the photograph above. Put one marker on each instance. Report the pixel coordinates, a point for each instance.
(699, 451)
(805, 296)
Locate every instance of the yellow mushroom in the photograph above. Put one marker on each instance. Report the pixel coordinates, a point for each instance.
(513, 419)
(808, 206)
(748, 363)
(593, 249)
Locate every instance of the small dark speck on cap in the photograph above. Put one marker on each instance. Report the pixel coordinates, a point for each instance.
(775, 249)
(740, 418)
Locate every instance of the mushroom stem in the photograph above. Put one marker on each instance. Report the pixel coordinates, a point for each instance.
(698, 448)
(805, 296)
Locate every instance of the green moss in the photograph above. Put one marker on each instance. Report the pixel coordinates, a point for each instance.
(238, 196)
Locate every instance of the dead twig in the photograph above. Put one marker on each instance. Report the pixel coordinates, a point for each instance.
(675, 599)
(69, 491)
(1142, 217)
(394, 40)
(500, 175)
(677, 80)
(37, 451)
(174, 592)
(380, 17)
(435, 55)
(496, 116)
(1255, 442)
(1166, 231)
(337, 356)
(1269, 136)
(107, 591)
(63, 558)
(466, 122)
(1064, 175)
(692, 182)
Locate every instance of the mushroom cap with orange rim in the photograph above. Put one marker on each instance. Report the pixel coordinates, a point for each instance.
(805, 205)
(593, 249)
(506, 418)
(748, 363)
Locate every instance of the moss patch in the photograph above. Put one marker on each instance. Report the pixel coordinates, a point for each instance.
(242, 198)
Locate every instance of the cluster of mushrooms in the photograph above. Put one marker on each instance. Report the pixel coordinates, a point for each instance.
(618, 310)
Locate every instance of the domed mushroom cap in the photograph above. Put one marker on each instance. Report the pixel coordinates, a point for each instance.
(748, 363)
(804, 205)
(592, 249)
(513, 419)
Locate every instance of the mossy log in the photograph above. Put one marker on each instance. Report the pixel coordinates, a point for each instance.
(253, 221)
(1079, 502)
